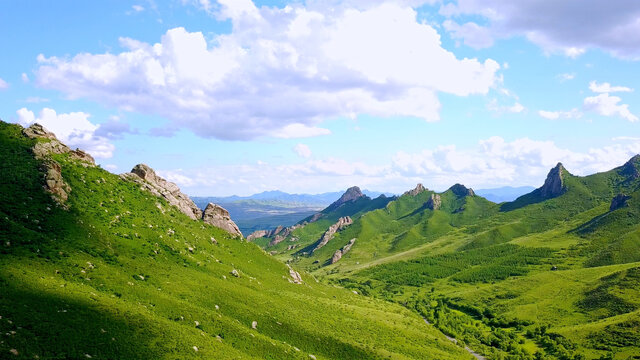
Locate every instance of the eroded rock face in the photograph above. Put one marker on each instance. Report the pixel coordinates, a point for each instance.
(328, 235)
(339, 253)
(461, 190)
(295, 276)
(619, 201)
(46, 146)
(54, 183)
(434, 202)
(415, 191)
(554, 184)
(632, 168)
(146, 176)
(353, 193)
(219, 217)
(257, 234)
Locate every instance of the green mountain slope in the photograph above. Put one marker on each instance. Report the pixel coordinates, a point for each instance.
(551, 274)
(118, 273)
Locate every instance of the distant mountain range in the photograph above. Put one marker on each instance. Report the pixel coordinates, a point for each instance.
(268, 209)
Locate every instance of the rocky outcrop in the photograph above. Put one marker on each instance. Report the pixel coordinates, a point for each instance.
(48, 145)
(54, 183)
(340, 253)
(295, 276)
(434, 202)
(219, 217)
(554, 184)
(352, 194)
(147, 178)
(619, 201)
(257, 234)
(415, 191)
(328, 235)
(632, 168)
(461, 190)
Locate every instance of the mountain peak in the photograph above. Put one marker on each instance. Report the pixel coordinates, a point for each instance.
(632, 167)
(352, 193)
(461, 190)
(415, 191)
(554, 183)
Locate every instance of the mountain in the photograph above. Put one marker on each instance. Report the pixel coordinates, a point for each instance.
(504, 194)
(95, 265)
(269, 209)
(554, 273)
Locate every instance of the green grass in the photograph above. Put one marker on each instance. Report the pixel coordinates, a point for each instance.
(122, 274)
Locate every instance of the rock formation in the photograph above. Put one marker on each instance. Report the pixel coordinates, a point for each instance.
(434, 202)
(147, 178)
(257, 234)
(339, 253)
(295, 276)
(554, 184)
(632, 168)
(49, 145)
(619, 201)
(219, 217)
(328, 235)
(46, 145)
(461, 190)
(353, 193)
(278, 234)
(415, 191)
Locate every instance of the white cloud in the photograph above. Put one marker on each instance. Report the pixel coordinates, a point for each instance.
(569, 28)
(3, 84)
(293, 131)
(516, 108)
(491, 162)
(74, 129)
(607, 105)
(35, 100)
(25, 78)
(566, 76)
(279, 70)
(302, 150)
(137, 8)
(607, 88)
(473, 35)
(554, 115)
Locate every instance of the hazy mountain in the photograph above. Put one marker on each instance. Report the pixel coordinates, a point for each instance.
(505, 193)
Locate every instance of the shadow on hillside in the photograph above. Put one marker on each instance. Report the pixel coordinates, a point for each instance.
(524, 200)
(53, 327)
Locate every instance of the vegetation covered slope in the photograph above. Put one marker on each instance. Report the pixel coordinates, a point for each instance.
(549, 275)
(122, 274)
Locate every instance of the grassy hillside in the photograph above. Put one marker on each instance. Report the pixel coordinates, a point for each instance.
(121, 274)
(545, 276)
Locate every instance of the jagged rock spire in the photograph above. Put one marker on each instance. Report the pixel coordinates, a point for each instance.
(461, 190)
(415, 191)
(554, 184)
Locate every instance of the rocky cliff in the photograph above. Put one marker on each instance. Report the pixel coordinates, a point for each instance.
(340, 253)
(47, 145)
(554, 183)
(328, 235)
(149, 180)
(415, 191)
(434, 202)
(352, 194)
(461, 190)
(219, 217)
(632, 168)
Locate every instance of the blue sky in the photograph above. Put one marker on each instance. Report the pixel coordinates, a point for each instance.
(237, 97)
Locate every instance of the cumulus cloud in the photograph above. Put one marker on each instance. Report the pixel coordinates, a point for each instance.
(491, 162)
(568, 27)
(607, 105)
(472, 34)
(555, 115)
(516, 108)
(73, 129)
(3, 84)
(566, 76)
(607, 88)
(302, 150)
(25, 78)
(279, 71)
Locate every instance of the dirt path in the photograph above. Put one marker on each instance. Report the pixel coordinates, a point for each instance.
(453, 340)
